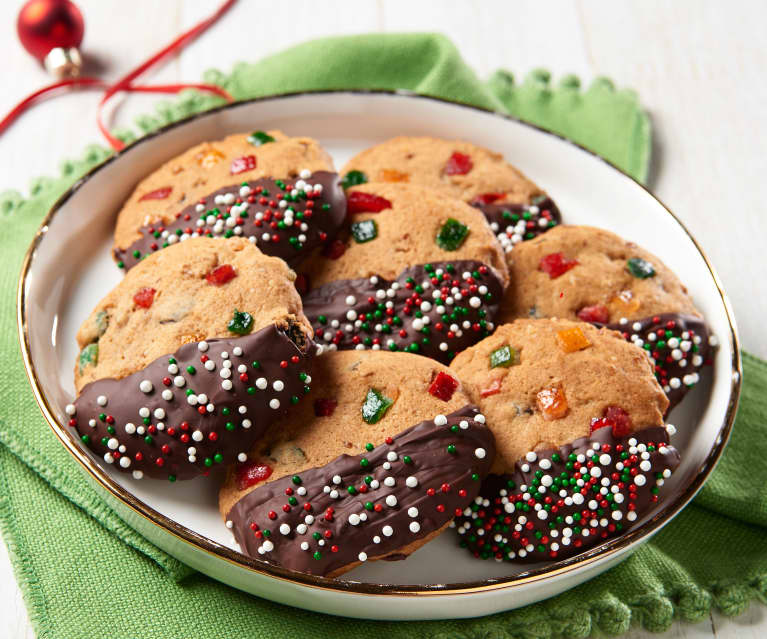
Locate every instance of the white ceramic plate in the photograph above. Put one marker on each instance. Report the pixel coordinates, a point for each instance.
(69, 269)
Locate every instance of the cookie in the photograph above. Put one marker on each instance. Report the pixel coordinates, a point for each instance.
(581, 272)
(190, 358)
(385, 456)
(546, 383)
(278, 192)
(514, 206)
(560, 502)
(435, 310)
(393, 226)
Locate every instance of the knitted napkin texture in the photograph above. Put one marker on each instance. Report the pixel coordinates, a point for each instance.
(84, 573)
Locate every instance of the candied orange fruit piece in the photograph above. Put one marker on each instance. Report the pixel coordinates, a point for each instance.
(572, 339)
(393, 175)
(552, 403)
(206, 159)
(624, 304)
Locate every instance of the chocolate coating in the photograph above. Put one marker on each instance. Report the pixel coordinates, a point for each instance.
(316, 219)
(513, 223)
(418, 322)
(509, 520)
(130, 423)
(679, 346)
(331, 517)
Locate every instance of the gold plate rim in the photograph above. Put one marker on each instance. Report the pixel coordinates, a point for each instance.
(218, 551)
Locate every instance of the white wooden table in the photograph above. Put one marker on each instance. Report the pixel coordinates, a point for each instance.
(696, 65)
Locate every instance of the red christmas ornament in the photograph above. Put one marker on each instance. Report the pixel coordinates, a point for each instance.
(52, 30)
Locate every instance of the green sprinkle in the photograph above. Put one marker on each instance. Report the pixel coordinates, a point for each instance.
(369, 447)
(364, 231)
(451, 235)
(191, 369)
(296, 480)
(241, 323)
(374, 406)
(364, 462)
(407, 459)
(218, 458)
(353, 178)
(452, 449)
(504, 357)
(171, 478)
(318, 555)
(640, 268)
(257, 138)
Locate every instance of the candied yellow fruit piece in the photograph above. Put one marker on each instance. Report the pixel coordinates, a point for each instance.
(624, 304)
(552, 403)
(392, 175)
(206, 159)
(572, 339)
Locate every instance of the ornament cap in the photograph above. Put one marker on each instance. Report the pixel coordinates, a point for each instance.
(63, 63)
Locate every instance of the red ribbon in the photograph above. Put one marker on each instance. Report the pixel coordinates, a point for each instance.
(125, 84)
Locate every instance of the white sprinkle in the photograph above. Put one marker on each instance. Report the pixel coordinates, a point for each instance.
(414, 527)
(70, 409)
(159, 413)
(179, 381)
(197, 436)
(278, 385)
(354, 519)
(391, 501)
(138, 474)
(411, 482)
(146, 386)
(387, 531)
(261, 383)
(440, 420)
(362, 556)
(202, 346)
(285, 529)
(480, 453)
(274, 403)
(101, 400)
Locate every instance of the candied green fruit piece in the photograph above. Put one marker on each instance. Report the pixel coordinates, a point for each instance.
(241, 323)
(451, 235)
(364, 231)
(640, 268)
(374, 406)
(504, 356)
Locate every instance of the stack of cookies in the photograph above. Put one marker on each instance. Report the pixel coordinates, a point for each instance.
(365, 359)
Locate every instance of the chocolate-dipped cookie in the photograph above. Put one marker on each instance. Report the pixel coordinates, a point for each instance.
(198, 192)
(384, 457)
(391, 227)
(586, 273)
(546, 383)
(435, 309)
(284, 218)
(190, 358)
(560, 502)
(515, 207)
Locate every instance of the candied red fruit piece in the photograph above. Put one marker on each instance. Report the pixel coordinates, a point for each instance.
(250, 473)
(221, 275)
(157, 194)
(555, 264)
(487, 198)
(324, 407)
(493, 389)
(621, 420)
(144, 297)
(360, 202)
(458, 164)
(334, 249)
(616, 418)
(302, 283)
(443, 386)
(597, 313)
(552, 403)
(240, 165)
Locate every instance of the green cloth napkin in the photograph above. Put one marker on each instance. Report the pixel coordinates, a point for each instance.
(84, 573)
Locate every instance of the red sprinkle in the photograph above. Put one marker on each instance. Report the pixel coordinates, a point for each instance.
(157, 194)
(360, 202)
(458, 164)
(221, 275)
(144, 297)
(324, 407)
(597, 313)
(443, 386)
(250, 473)
(555, 264)
(240, 165)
